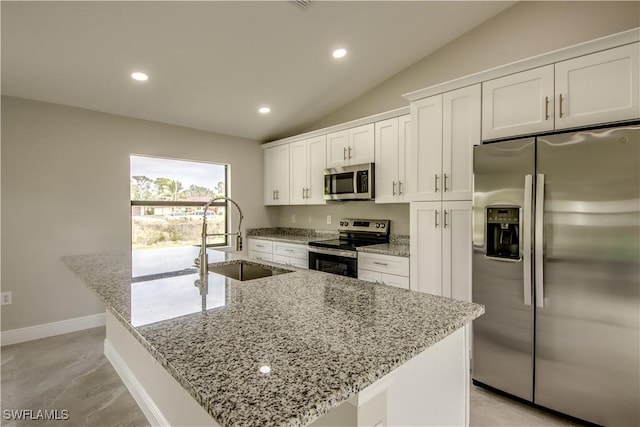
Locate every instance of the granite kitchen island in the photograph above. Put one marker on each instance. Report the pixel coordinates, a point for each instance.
(297, 348)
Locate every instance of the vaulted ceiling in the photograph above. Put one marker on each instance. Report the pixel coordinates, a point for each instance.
(211, 65)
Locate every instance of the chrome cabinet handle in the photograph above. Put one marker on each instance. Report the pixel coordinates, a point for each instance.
(274, 195)
(436, 219)
(380, 263)
(400, 187)
(539, 241)
(304, 194)
(277, 194)
(308, 193)
(445, 183)
(546, 108)
(560, 105)
(344, 153)
(349, 152)
(445, 218)
(394, 188)
(436, 187)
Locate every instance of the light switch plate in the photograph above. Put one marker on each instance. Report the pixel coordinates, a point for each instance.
(328, 219)
(6, 298)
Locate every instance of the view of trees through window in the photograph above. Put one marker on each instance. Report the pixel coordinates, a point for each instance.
(167, 199)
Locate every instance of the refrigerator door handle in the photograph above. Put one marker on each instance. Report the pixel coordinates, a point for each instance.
(539, 241)
(525, 232)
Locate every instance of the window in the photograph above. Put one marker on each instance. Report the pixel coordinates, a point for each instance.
(167, 199)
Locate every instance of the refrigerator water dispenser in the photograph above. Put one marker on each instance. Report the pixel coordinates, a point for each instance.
(503, 232)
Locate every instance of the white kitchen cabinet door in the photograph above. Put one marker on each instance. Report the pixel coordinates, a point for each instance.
(441, 248)
(456, 250)
(317, 163)
(276, 175)
(298, 172)
(518, 104)
(387, 164)
(308, 159)
(351, 146)
(337, 144)
(426, 247)
(460, 132)
(598, 88)
(361, 147)
(281, 174)
(391, 139)
(425, 149)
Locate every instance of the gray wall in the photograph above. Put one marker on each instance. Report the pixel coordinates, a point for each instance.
(65, 191)
(524, 30)
(397, 213)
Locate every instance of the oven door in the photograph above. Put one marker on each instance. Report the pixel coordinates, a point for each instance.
(344, 263)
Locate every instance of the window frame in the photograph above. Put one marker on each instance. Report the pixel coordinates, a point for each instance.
(169, 203)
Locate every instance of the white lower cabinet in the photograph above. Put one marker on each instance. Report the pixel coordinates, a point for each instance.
(441, 248)
(293, 254)
(261, 249)
(387, 269)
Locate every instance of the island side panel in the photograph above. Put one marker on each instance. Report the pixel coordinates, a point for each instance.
(432, 389)
(160, 397)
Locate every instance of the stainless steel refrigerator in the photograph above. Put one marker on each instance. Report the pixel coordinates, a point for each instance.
(556, 262)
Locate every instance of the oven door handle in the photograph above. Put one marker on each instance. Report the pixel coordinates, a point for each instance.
(346, 254)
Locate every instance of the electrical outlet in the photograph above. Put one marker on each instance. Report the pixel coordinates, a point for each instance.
(6, 298)
(293, 218)
(328, 219)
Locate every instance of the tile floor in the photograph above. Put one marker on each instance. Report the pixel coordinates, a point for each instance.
(70, 372)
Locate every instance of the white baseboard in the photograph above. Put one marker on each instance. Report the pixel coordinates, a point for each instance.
(15, 336)
(144, 401)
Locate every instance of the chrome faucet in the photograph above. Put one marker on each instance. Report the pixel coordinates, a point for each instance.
(201, 261)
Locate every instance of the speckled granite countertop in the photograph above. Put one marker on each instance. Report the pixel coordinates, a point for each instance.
(394, 249)
(325, 337)
(291, 235)
(398, 246)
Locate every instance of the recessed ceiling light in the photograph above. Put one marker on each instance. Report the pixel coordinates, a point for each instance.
(264, 110)
(141, 77)
(339, 53)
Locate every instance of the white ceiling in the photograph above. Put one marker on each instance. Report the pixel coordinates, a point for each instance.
(212, 64)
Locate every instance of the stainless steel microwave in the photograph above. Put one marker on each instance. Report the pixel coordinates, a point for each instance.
(356, 182)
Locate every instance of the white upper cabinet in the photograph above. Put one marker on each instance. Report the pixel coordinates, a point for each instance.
(351, 146)
(598, 88)
(592, 89)
(518, 104)
(276, 175)
(390, 144)
(308, 159)
(440, 157)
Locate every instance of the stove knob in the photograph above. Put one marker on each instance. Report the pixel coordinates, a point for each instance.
(383, 225)
(377, 225)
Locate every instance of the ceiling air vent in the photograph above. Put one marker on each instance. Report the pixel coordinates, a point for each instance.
(303, 3)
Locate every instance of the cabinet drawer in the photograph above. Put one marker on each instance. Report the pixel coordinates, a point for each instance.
(393, 280)
(300, 262)
(398, 266)
(290, 249)
(261, 256)
(369, 276)
(261, 245)
(384, 278)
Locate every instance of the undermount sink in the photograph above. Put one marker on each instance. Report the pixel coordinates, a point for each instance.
(245, 270)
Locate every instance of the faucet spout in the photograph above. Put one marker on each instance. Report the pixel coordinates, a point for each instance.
(201, 261)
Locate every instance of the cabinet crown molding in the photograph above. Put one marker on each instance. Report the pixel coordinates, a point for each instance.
(342, 126)
(585, 48)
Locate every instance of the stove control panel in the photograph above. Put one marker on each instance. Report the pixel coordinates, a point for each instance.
(367, 225)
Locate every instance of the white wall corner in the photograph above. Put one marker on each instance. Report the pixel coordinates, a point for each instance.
(30, 333)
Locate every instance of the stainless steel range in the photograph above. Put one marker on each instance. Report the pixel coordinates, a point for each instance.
(339, 256)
